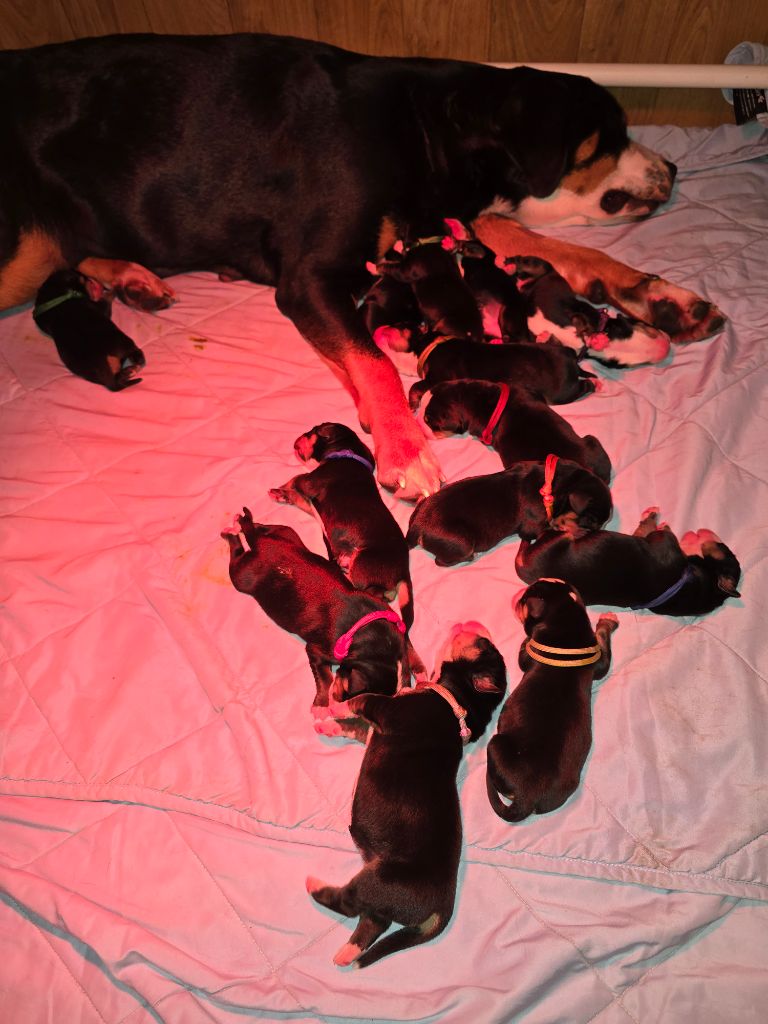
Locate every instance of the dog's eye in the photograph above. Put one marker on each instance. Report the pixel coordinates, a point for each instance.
(613, 200)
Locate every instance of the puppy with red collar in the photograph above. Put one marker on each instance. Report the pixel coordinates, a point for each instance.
(355, 643)
(647, 569)
(545, 727)
(76, 313)
(512, 421)
(471, 516)
(360, 532)
(406, 818)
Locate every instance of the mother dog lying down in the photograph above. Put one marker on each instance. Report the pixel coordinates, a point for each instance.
(292, 163)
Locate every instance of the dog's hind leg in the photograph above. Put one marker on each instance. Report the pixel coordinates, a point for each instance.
(133, 284)
(26, 262)
(365, 934)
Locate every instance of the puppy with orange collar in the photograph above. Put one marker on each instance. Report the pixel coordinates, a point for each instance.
(471, 516)
(545, 728)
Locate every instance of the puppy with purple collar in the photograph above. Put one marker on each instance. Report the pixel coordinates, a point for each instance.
(360, 532)
(514, 422)
(544, 731)
(406, 818)
(648, 569)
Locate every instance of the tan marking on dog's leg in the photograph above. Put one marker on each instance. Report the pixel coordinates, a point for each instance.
(134, 284)
(37, 256)
(405, 462)
(387, 236)
(680, 313)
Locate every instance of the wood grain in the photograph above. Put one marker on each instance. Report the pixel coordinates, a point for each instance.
(642, 31)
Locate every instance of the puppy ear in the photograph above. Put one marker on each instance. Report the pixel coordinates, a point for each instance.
(727, 585)
(579, 501)
(533, 606)
(486, 684)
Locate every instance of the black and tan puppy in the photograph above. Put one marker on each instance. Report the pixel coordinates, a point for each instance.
(647, 569)
(431, 269)
(310, 596)
(472, 515)
(545, 728)
(548, 368)
(361, 534)
(406, 818)
(515, 423)
(76, 313)
(553, 309)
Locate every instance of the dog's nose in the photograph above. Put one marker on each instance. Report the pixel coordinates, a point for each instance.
(672, 168)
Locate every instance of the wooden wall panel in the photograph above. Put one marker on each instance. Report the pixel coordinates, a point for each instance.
(645, 31)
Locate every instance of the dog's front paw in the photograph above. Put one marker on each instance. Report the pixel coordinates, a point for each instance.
(328, 727)
(680, 313)
(280, 494)
(407, 465)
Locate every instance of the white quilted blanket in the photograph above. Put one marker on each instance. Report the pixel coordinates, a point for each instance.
(162, 792)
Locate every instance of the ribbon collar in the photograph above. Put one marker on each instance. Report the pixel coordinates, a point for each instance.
(487, 435)
(546, 491)
(52, 303)
(456, 708)
(430, 349)
(347, 453)
(669, 592)
(533, 647)
(342, 645)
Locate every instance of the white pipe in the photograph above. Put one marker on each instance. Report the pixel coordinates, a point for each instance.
(679, 76)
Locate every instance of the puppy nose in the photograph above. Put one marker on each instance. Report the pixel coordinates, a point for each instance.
(672, 168)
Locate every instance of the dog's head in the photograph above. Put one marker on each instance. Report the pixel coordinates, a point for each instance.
(327, 438)
(473, 670)
(555, 150)
(716, 570)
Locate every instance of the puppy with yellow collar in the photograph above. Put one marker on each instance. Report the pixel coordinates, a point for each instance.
(545, 728)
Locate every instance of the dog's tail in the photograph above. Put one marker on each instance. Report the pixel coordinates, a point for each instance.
(405, 601)
(404, 938)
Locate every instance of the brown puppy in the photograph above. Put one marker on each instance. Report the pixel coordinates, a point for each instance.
(406, 818)
(648, 569)
(308, 595)
(545, 728)
(548, 368)
(512, 421)
(472, 515)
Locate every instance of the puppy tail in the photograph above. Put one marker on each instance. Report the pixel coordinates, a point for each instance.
(404, 938)
(405, 601)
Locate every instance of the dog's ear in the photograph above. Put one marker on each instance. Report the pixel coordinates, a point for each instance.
(579, 501)
(533, 606)
(728, 586)
(485, 683)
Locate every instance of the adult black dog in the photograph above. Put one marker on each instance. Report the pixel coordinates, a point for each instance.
(292, 163)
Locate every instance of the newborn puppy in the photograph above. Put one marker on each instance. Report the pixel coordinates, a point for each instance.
(447, 305)
(74, 312)
(553, 309)
(361, 534)
(548, 369)
(545, 727)
(512, 421)
(391, 313)
(472, 515)
(649, 569)
(406, 818)
(310, 596)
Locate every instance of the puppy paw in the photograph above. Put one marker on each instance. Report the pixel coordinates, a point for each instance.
(652, 510)
(280, 494)
(608, 621)
(328, 727)
(231, 529)
(347, 955)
